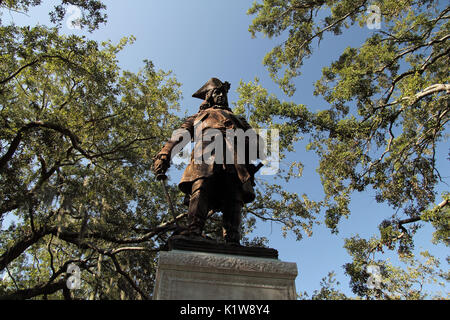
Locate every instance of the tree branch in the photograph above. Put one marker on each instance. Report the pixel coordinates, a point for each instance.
(321, 31)
(127, 277)
(75, 141)
(435, 88)
(19, 71)
(415, 219)
(115, 251)
(412, 49)
(422, 69)
(29, 64)
(41, 289)
(36, 124)
(20, 246)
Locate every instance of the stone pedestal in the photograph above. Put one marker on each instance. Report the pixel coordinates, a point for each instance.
(188, 275)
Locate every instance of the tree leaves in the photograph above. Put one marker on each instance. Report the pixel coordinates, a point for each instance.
(92, 14)
(382, 126)
(77, 142)
(385, 115)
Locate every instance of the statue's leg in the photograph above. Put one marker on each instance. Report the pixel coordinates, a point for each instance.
(198, 206)
(232, 218)
(232, 212)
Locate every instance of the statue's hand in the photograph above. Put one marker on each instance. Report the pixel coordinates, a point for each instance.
(160, 165)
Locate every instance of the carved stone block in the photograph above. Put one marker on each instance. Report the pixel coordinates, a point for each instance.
(187, 275)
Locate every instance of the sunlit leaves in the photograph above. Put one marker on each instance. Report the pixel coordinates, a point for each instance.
(78, 183)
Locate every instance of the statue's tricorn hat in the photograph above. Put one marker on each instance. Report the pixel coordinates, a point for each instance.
(212, 83)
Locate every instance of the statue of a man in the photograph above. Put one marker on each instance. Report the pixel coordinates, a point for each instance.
(216, 184)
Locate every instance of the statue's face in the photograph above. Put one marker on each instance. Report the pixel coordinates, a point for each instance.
(219, 97)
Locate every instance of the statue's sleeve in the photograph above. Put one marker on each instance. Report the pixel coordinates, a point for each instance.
(259, 140)
(245, 124)
(182, 135)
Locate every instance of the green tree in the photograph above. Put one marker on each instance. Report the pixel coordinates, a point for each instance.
(78, 134)
(328, 290)
(387, 106)
(77, 139)
(373, 278)
(406, 282)
(92, 11)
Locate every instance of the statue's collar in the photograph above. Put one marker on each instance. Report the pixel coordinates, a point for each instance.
(221, 107)
(206, 106)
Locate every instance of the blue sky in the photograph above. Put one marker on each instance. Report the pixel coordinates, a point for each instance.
(201, 39)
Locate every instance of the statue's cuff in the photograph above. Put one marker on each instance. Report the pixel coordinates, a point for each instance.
(160, 156)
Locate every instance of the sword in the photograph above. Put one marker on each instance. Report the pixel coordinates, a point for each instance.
(163, 179)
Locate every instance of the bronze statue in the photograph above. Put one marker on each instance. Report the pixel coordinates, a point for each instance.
(219, 185)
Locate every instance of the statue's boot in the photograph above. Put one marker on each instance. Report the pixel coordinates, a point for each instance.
(198, 209)
(232, 222)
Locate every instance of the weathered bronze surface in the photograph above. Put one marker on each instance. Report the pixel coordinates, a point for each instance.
(213, 185)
